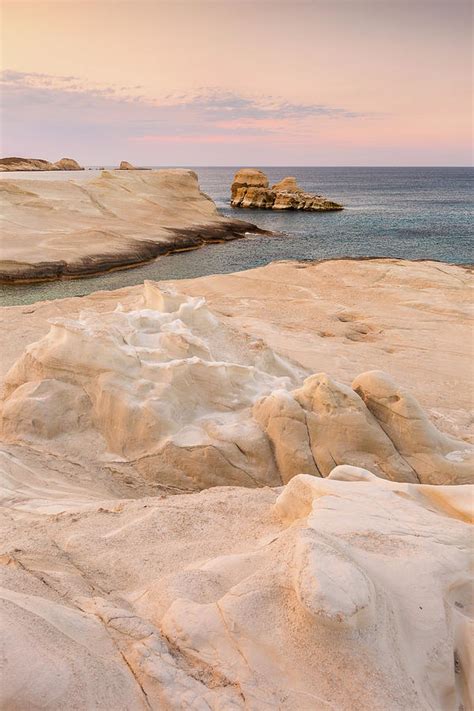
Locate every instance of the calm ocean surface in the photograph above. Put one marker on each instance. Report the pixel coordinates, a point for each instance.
(413, 213)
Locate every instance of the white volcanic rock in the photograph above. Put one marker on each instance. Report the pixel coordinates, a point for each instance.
(167, 386)
(436, 457)
(343, 431)
(347, 593)
(121, 218)
(285, 422)
(250, 188)
(170, 389)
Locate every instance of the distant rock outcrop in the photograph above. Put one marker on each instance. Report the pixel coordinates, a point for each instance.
(125, 165)
(251, 189)
(67, 164)
(27, 164)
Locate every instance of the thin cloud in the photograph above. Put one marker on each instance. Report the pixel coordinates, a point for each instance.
(44, 104)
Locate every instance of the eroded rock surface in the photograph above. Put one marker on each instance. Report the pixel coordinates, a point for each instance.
(348, 588)
(125, 165)
(55, 229)
(348, 593)
(172, 390)
(251, 189)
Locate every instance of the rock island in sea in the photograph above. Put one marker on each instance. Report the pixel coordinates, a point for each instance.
(251, 188)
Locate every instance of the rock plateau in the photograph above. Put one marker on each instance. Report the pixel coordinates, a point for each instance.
(251, 189)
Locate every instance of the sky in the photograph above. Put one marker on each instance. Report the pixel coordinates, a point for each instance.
(238, 82)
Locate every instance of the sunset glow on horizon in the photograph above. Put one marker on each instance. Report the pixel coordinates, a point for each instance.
(347, 82)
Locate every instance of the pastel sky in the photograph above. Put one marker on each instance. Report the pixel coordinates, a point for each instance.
(234, 82)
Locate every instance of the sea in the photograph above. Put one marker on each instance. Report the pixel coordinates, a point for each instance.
(409, 213)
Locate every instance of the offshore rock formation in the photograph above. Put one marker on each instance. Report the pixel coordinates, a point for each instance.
(67, 164)
(57, 229)
(345, 593)
(251, 189)
(28, 164)
(170, 389)
(125, 165)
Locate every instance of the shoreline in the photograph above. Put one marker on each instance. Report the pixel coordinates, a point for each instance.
(197, 237)
(17, 286)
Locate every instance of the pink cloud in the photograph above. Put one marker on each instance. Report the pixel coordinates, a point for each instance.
(207, 138)
(268, 124)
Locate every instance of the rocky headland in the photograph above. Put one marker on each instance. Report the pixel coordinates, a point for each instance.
(65, 229)
(35, 164)
(216, 498)
(251, 188)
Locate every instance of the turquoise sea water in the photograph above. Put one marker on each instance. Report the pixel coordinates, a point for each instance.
(412, 213)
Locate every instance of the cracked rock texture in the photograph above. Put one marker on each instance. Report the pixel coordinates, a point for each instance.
(251, 189)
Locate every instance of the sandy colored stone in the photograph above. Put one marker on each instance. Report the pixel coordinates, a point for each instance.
(241, 599)
(29, 164)
(64, 228)
(341, 430)
(248, 178)
(179, 396)
(67, 164)
(413, 320)
(250, 188)
(125, 165)
(435, 457)
(344, 591)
